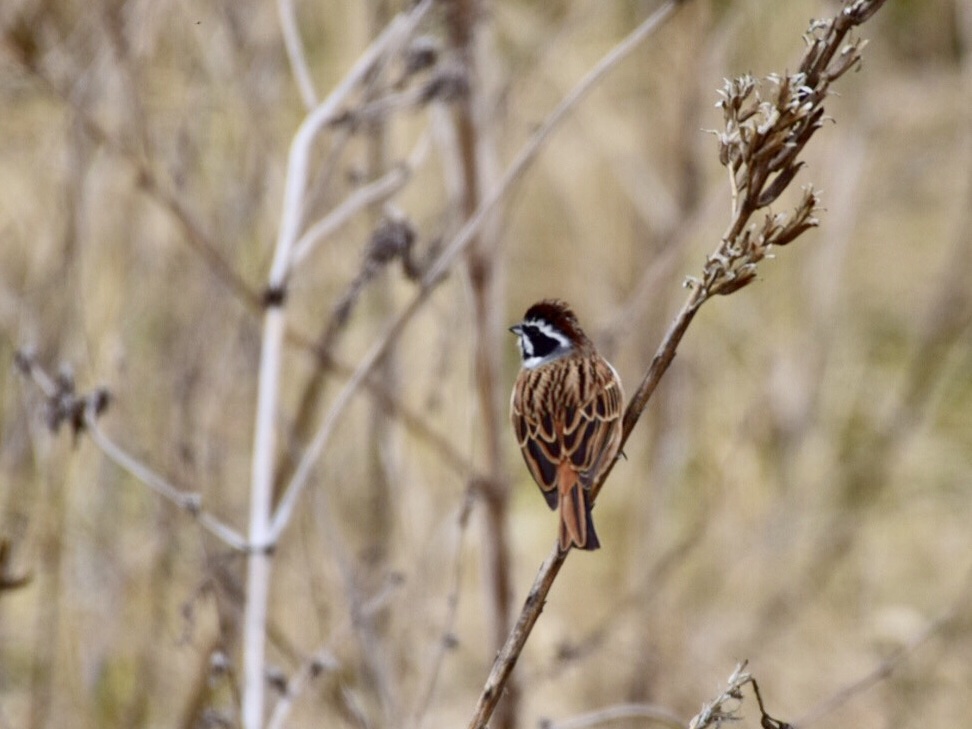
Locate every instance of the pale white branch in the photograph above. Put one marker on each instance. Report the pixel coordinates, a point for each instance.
(298, 162)
(374, 192)
(295, 52)
(653, 714)
(191, 502)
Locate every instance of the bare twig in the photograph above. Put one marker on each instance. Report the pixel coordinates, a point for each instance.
(374, 192)
(299, 159)
(472, 155)
(725, 707)
(188, 501)
(447, 639)
(883, 670)
(321, 661)
(81, 411)
(652, 714)
(295, 52)
(412, 419)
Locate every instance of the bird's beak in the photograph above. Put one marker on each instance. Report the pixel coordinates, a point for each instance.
(516, 329)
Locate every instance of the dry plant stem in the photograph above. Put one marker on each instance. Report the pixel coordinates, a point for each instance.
(274, 327)
(482, 263)
(200, 242)
(295, 52)
(190, 502)
(446, 641)
(195, 235)
(299, 159)
(374, 192)
(652, 714)
(759, 148)
(413, 420)
(508, 655)
(533, 146)
(220, 268)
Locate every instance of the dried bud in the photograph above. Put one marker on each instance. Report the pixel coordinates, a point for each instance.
(391, 239)
(277, 679)
(449, 84)
(422, 53)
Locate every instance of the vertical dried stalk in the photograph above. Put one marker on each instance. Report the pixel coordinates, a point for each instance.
(483, 261)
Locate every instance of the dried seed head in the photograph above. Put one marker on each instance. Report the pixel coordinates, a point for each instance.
(766, 126)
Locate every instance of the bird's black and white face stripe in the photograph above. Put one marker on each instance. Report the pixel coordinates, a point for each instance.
(540, 342)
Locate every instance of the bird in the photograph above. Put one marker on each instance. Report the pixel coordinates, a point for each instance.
(566, 410)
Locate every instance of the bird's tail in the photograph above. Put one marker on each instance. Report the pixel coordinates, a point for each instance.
(576, 524)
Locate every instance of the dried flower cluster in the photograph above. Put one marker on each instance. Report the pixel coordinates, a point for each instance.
(725, 707)
(761, 142)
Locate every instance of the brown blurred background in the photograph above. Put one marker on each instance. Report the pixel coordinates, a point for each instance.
(797, 493)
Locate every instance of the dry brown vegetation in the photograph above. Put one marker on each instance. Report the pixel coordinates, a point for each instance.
(797, 492)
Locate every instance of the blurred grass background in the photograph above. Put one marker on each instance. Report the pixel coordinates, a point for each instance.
(798, 492)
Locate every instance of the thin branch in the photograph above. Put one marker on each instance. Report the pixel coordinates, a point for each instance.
(725, 706)
(533, 146)
(188, 501)
(957, 611)
(81, 411)
(322, 661)
(295, 52)
(413, 420)
(447, 639)
(473, 168)
(510, 652)
(366, 196)
(325, 659)
(298, 482)
(652, 713)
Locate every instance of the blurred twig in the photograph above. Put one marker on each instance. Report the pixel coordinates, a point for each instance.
(759, 147)
(725, 706)
(957, 611)
(9, 580)
(295, 52)
(650, 713)
(200, 241)
(447, 639)
(81, 411)
(473, 153)
(377, 191)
